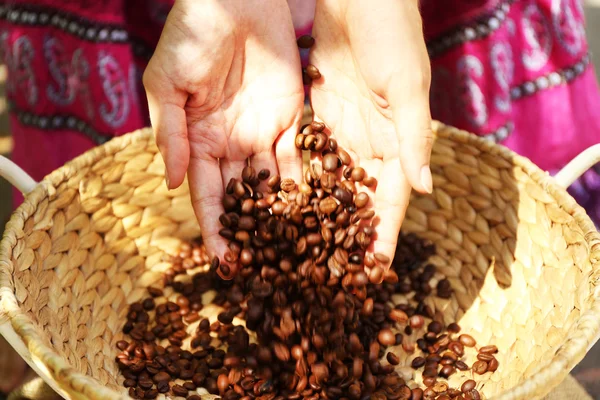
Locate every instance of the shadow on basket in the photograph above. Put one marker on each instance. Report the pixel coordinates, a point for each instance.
(520, 255)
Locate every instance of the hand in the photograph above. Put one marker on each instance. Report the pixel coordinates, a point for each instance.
(224, 86)
(374, 98)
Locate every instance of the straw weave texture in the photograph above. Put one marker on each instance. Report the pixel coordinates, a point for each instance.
(521, 255)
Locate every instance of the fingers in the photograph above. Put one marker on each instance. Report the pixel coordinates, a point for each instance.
(207, 193)
(413, 126)
(391, 200)
(289, 158)
(167, 115)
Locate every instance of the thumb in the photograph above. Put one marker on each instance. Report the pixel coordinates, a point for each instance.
(413, 127)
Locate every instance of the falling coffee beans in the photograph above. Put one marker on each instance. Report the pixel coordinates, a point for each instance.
(298, 273)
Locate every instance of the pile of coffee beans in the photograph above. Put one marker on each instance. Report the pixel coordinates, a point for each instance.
(298, 276)
(298, 308)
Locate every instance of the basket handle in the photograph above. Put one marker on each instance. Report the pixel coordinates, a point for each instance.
(16, 176)
(580, 164)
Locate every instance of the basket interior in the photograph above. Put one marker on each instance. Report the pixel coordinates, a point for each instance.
(518, 262)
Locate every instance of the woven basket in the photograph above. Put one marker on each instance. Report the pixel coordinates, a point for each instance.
(521, 255)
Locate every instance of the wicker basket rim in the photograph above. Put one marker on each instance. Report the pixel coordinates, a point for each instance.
(582, 336)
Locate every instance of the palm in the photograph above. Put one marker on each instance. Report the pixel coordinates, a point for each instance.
(260, 101)
(364, 97)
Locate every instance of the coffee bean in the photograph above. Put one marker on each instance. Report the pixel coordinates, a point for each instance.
(416, 321)
(457, 348)
(361, 200)
(305, 41)
(468, 385)
(179, 390)
(418, 362)
(273, 181)
(493, 365)
(369, 181)
(317, 126)
(453, 327)
(313, 72)
(485, 357)
(248, 174)
(330, 162)
(333, 144)
(446, 371)
(392, 358)
(467, 340)
(376, 275)
(163, 387)
(435, 327)
(281, 351)
(417, 394)
(309, 142)
(342, 195)
(327, 206)
(155, 292)
(222, 383)
(358, 174)
(360, 279)
(398, 316)
(320, 142)
(328, 182)
(480, 367)
(129, 383)
(386, 337)
(489, 349)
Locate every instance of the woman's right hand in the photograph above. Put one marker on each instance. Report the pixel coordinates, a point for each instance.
(374, 98)
(223, 87)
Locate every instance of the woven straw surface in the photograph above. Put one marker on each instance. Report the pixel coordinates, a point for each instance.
(521, 255)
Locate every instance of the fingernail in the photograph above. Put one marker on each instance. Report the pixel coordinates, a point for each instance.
(167, 181)
(426, 179)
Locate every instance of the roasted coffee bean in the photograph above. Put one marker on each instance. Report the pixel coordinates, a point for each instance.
(305, 41)
(344, 156)
(320, 142)
(468, 385)
(392, 358)
(386, 337)
(417, 394)
(416, 321)
(493, 365)
(342, 195)
(313, 72)
(446, 371)
(480, 367)
(179, 390)
(490, 349)
(453, 327)
(467, 340)
(418, 362)
(369, 181)
(485, 357)
(376, 275)
(330, 162)
(358, 174)
(362, 199)
(457, 348)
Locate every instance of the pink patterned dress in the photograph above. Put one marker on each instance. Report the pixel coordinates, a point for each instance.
(516, 72)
